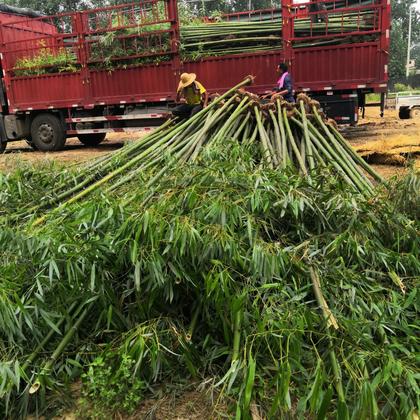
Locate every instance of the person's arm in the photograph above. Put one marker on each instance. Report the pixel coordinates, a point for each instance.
(180, 97)
(205, 98)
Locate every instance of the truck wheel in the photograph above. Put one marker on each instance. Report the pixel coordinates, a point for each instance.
(404, 114)
(2, 146)
(47, 133)
(92, 139)
(415, 112)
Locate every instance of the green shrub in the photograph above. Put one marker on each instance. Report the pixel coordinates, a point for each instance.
(401, 87)
(373, 97)
(46, 60)
(109, 386)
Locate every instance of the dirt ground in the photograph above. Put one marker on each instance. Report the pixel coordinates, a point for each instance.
(73, 152)
(387, 143)
(193, 404)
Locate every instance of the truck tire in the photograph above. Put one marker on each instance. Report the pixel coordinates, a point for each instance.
(415, 112)
(47, 133)
(2, 146)
(404, 114)
(92, 139)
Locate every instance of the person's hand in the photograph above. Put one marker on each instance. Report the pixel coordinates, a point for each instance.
(182, 101)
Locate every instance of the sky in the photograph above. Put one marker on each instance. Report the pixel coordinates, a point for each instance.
(418, 5)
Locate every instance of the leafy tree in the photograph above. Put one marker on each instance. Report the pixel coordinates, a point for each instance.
(399, 35)
(52, 7)
(226, 6)
(398, 53)
(210, 5)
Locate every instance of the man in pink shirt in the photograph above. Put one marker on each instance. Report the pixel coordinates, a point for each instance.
(285, 83)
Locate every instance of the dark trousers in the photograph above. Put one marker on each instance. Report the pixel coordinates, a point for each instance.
(185, 111)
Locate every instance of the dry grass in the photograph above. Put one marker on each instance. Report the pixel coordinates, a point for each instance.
(396, 150)
(190, 405)
(399, 143)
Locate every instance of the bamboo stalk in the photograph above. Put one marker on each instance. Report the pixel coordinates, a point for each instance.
(328, 315)
(264, 145)
(308, 143)
(293, 144)
(329, 157)
(60, 348)
(236, 335)
(331, 323)
(200, 138)
(359, 160)
(46, 339)
(277, 136)
(285, 153)
(242, 127)
(353, 175)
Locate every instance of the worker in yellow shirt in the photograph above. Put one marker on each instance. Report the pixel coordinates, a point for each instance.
(191, 96)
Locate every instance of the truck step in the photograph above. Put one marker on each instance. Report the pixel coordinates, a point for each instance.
(109, 130)
(116, 118)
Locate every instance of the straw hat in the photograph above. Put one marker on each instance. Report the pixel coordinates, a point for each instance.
(186, 79)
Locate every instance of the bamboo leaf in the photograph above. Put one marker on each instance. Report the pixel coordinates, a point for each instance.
(325, 404)
(249, 383)
(314, 396)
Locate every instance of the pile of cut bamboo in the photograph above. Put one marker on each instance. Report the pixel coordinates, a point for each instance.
(245, 246)
(287, 135)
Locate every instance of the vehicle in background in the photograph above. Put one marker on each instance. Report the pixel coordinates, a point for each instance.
(407, 104)
(59, 79)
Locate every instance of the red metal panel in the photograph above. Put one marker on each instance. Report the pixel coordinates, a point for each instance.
(151, 83)
(221, 73)
(339, 66)
(18, 37)
(24, 29)
(42, 92)
(23, 36)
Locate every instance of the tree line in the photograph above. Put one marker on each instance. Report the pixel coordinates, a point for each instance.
(51, 7)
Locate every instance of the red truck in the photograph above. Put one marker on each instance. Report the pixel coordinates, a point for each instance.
(45, 102)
